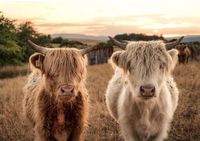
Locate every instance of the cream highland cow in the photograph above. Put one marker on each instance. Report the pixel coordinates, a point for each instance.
(142, 95)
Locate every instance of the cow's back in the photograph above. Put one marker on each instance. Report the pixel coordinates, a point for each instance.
(30, 91)
(171, 84)
(113, 92)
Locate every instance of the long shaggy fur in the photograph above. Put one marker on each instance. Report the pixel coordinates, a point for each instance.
(56, 117)
(69, 60)
(141, 119)
(144, 54)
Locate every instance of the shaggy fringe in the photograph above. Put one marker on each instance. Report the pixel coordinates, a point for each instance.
(144, 54)
(65, 59)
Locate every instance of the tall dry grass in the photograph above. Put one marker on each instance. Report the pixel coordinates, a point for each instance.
(13, 71)
(185, 126)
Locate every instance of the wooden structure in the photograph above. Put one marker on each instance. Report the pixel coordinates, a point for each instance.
(100, 56)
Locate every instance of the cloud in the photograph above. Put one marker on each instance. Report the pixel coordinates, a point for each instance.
(67, 24)
(149, 24)
(107, 17)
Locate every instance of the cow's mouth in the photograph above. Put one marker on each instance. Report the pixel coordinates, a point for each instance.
(68, 94)
(149, 96)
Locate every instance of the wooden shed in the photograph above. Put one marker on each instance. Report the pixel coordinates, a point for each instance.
(100, 56)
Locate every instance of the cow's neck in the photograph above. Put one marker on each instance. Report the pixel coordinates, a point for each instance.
(145, 108)
(150, 108)
(60, 114)
(149, 116)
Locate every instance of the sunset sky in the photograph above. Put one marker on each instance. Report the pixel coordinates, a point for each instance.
(107, 17)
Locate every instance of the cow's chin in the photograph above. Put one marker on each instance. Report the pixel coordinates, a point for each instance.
(147, 97)
(66, 97)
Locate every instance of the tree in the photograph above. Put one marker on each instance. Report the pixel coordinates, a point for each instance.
(57, 40)
(27, 32)
(68, 43)
(14, 48)
(43, 39)
(10, 52)
(7, 30)
(138, 37)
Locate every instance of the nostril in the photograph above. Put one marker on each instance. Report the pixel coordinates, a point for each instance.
(72, 90)
(62, 90)
(142, 89)
(153, 90)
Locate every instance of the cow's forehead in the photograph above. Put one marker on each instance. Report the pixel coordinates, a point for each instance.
(64, 49)
(146, 55)
(62, 53)
(147, 48)
(64, 62)
(146, 44)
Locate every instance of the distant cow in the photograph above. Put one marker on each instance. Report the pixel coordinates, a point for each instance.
(195, 51)
(184, 53)
(56, 100)
(142, 95)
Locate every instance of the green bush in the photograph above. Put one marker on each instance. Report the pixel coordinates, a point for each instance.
(138, 37)
(68, 43)
(11, 54)
(57, 40)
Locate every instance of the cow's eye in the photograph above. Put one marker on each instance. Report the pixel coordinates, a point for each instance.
(54, 77)
(162, 66)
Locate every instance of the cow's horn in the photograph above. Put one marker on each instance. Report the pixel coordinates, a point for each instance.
(40, 49)
(174, 43)
(88, 49)
(117, 43)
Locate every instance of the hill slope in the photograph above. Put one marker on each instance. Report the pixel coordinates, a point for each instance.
(81, 36)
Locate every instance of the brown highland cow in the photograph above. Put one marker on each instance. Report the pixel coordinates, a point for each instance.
(184, 53)
(56, 100)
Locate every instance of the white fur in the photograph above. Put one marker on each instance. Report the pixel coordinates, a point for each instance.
(140, 119)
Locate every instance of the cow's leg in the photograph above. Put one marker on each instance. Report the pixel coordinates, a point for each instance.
(187, 59)
(43, 119)
(77, 134)
(163, 134)
(128, 136)
(127, 131)
(41, 134)
(184, 60)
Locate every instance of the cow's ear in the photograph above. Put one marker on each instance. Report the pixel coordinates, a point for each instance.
(115, 57)
(36, 61)
(174, 56)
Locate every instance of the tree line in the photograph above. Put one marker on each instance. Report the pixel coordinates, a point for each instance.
(14, 48)
(138, 37)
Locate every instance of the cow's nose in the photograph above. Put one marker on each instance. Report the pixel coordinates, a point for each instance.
(147, 90)
(67, 90)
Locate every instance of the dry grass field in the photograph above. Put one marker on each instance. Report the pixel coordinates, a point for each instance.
(185, 126)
